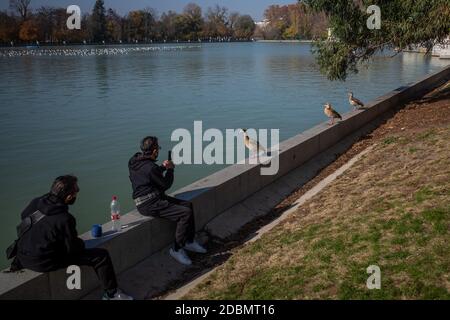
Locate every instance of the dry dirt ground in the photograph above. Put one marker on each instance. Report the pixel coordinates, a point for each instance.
(391, 209)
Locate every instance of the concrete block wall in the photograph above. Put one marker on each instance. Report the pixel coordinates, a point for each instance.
(211, 196)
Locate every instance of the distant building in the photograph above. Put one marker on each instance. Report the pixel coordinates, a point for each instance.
(263, 24)
(261, 29)
(442, 51)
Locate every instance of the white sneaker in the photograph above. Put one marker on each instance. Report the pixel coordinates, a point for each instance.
(180, 256)
(194, 247)
(120, 295)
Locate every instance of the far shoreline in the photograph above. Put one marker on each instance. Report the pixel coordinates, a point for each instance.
(50, 45)
(285, 41)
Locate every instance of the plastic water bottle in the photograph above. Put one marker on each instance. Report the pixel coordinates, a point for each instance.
(115, 215)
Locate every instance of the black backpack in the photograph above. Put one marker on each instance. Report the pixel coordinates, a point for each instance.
(22, 228)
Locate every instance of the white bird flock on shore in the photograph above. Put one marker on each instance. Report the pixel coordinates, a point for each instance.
(86, 52)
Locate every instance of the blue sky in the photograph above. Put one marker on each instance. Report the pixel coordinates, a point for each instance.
(253, 7)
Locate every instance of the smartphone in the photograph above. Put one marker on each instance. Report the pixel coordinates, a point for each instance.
(170, 155)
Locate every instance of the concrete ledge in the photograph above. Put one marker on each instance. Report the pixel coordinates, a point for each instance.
(221, 198)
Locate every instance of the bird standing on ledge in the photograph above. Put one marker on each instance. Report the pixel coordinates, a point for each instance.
(331, 113)
(356, 103)
(252, 145)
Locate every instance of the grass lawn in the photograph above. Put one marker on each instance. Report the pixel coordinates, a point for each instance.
(391, 209)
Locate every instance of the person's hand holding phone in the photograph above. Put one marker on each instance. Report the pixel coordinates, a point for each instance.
(168, 164)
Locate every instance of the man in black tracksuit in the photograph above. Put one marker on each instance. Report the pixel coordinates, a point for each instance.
(52, 243)
(150, 182)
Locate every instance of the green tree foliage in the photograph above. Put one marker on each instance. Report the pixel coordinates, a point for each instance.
(167, 25)
(48, 25)
(294, 21)
(141, 25)
(45, 17)
(403, 23)
(98, 21)
(244, 27)
(114, 26)
(278, 17)
(216, 25)
(9, 28)
(191, 22)
(232, 19)
(28, 31)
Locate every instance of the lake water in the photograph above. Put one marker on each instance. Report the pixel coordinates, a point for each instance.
(84, 112)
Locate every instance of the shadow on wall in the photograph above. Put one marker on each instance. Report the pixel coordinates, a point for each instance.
(191, 194)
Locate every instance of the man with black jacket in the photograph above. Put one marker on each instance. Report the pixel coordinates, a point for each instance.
(150, 182)
(52, 243)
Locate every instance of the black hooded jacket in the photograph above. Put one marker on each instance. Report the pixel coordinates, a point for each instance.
(53, 240)
(147, 177)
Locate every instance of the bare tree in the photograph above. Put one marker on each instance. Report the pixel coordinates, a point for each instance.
(217, 22)
(21, 6)
(232, 19)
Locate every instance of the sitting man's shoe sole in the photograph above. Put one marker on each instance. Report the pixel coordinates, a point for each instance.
(195, 247)
(180, 256)
(120, 295)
